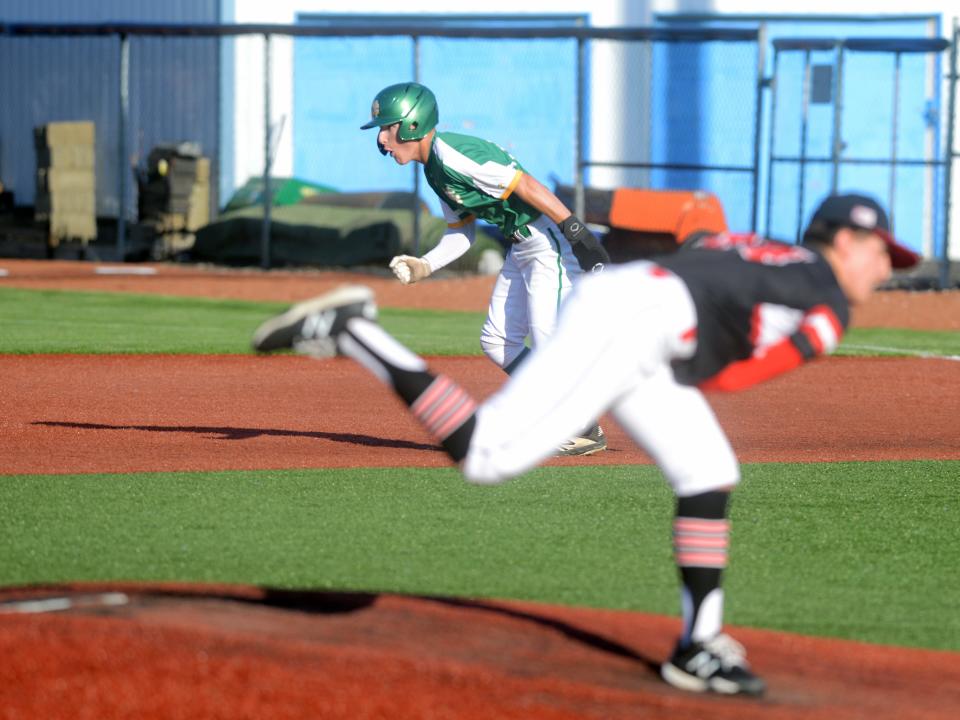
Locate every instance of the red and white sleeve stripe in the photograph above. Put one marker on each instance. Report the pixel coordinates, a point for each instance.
(822, 328)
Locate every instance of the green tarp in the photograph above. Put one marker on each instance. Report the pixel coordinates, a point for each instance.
(313, 235)
(285, 191)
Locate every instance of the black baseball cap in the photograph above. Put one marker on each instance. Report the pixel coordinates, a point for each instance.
(860, 213)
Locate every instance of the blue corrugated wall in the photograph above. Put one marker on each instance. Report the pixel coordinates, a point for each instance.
(174, 88)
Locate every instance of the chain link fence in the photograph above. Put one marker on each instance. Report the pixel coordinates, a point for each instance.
(691, 100)
(662, 108)
(864, 114)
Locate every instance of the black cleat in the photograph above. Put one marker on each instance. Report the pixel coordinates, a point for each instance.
(311, 327)
(718, 665)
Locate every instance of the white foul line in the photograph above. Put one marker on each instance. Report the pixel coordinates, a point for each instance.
(900, 351)
(57, 604)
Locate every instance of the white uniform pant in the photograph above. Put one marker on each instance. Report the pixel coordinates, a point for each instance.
(611, 351)
(537, 275)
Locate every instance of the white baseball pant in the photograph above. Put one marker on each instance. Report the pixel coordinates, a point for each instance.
(611, 351)
(537, 275)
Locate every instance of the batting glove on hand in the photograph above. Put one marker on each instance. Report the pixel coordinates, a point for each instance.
(586, 248)
(410, 269)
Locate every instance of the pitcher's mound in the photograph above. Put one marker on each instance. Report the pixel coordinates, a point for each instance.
(179, 651)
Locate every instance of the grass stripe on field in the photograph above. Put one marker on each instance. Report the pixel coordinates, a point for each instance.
(52, 321)
(891, 341)
(854, 550)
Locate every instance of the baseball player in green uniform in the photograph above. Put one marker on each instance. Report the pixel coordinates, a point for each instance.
(550, 247)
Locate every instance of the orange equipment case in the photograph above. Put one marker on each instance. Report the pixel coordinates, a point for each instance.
(644, 223)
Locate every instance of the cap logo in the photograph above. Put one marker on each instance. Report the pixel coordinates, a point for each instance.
(375, 110)
(864, 216)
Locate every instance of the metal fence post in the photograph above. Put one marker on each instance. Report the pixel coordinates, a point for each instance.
(267, 191)
(894, 130)
(123, 153)
(837, 144)
(416, 166)
(758, 124)
(950, 157)
(579, 201)
(772, 139)
(805, 111)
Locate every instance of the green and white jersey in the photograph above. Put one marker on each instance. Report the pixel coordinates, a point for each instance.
(476, 178)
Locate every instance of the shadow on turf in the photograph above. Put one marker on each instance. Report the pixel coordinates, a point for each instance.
(239, 433)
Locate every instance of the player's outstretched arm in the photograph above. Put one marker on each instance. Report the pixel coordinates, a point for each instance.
(590, 254)
(763, 365)
(538, 196)
(819, 334)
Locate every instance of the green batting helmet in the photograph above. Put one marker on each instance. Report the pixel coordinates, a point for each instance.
(411, 104)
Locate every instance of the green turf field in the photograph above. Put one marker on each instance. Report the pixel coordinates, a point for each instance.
(53, 321)
(855, 550)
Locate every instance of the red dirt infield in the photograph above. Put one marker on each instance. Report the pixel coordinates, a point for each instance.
(176, 651)
(130, 413)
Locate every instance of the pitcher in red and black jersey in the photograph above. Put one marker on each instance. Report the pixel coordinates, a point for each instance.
(641, 341)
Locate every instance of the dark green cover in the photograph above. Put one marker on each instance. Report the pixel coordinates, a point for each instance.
(312, 235)
(286, 191)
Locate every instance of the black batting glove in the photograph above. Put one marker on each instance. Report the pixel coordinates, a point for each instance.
(575, 230)
(586, 247)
